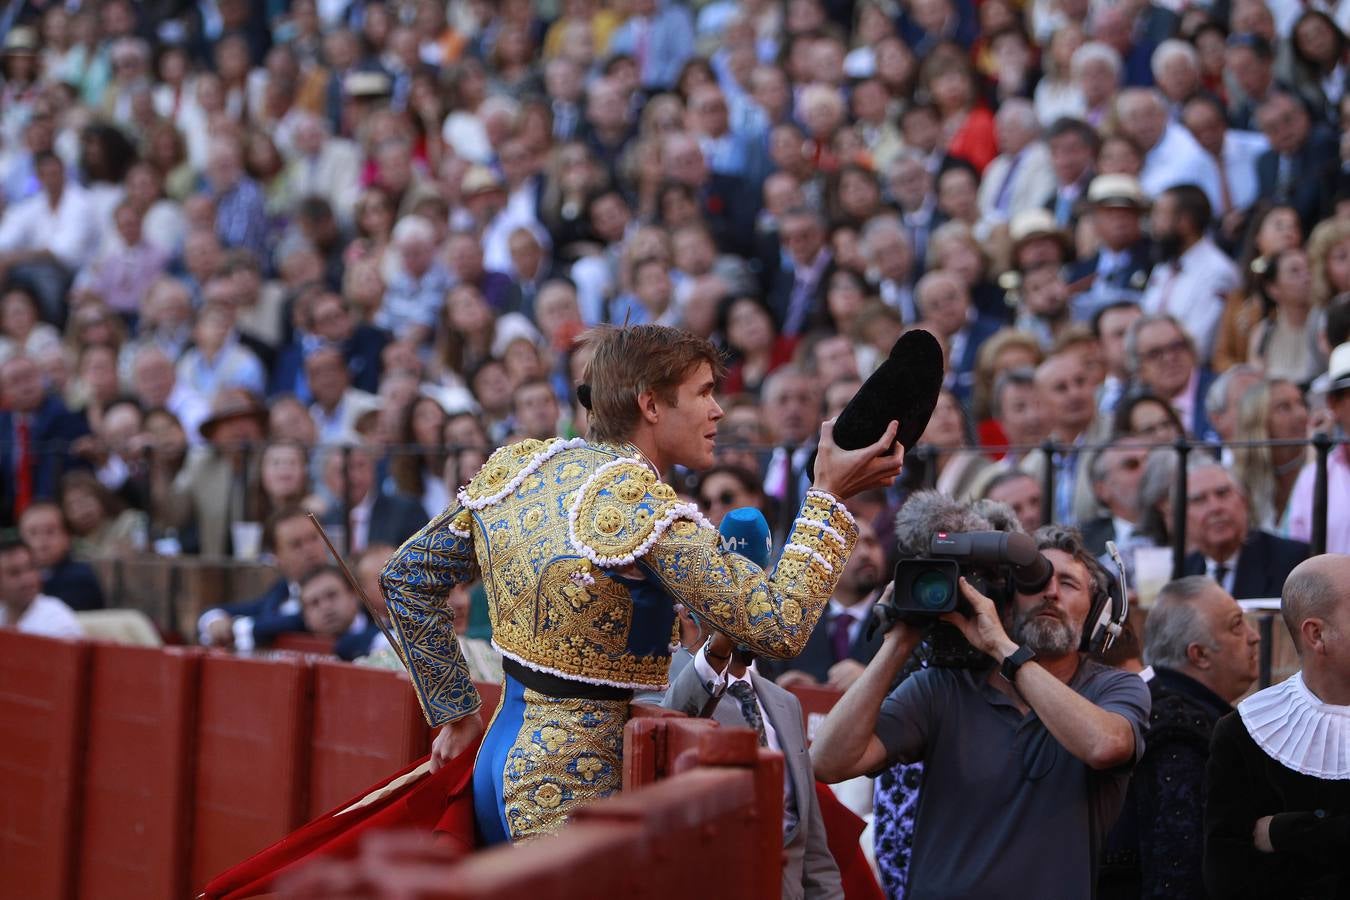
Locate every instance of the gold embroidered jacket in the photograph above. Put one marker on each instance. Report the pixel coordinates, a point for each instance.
(583, 553)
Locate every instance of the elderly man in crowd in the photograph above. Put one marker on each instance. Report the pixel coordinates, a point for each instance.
(1245, 561)
(1203, 655)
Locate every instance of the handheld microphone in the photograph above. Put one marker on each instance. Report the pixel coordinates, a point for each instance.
(745, 531)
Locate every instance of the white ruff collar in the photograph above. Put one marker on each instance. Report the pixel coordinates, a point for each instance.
(1293, 727)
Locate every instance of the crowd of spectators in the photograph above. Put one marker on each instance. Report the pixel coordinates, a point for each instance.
(236, 232)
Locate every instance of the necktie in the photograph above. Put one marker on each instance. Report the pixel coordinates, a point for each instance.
(1063, 209)
(1004, 196)
(1221, 574)
(745, 696)
(23, 475)
(839, 629)
(1225, 192)
(799, 304)
(1284, 182)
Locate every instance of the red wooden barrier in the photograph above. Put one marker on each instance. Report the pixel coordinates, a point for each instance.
(138, 770)
(662, 840)
(367, 723)
(318, 644)
(42, 713)
(651, 746)
(252, 750)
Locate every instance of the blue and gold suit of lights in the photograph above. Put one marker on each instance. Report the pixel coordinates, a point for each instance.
(584, 553)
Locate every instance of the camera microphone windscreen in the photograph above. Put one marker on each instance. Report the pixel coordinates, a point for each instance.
(904, 388)
(744, 530)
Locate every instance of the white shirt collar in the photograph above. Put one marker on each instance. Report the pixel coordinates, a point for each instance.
(1123, 528)
(858, 611)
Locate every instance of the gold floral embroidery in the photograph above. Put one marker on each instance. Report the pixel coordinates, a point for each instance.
(609, 522)
(549, 795)
(552, 738)
(568, 752)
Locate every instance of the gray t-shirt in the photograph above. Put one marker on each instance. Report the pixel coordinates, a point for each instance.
(1004, 810)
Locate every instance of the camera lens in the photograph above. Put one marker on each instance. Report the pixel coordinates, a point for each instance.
(933, 590)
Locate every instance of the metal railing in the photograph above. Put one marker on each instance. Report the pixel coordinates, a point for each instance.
(57, 456)
(1321, 443)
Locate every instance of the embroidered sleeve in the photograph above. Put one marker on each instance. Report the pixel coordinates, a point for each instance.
(416, 582)
(773, 614)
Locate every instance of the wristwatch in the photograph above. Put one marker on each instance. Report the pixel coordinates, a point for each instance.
(1020, 657)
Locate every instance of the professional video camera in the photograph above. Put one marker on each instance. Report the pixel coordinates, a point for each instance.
(996, 563)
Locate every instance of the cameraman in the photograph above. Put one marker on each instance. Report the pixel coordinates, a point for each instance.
(1018, 758)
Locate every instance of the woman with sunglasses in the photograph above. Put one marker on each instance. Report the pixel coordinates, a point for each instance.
(726, 487)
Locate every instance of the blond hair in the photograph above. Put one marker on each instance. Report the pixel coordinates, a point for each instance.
(1324, 237)
(627, 362)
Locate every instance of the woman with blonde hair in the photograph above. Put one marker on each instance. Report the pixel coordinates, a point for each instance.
(953, 247)
(1272, 410)
(1329, 259)
(1004, 350)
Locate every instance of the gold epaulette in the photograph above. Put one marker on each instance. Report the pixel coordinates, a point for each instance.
(622, 510)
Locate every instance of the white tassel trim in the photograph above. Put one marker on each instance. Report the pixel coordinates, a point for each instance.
(557, 446)
(678, 511)
(462, 535)
(835, 502)
(825, 529)
(812, 554)
(572, 676)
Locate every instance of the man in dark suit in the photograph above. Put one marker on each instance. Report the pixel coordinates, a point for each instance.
(1204, 657)
(800, 275)
(945, 308)
(297, 547)
(43, 529)
(745, 699)
(1246, 562)
(1115, 472)
(331, 609)
(1301, 159)
(366, 514)
(730, 203)
(1120, 268)
(531, 266)
(330, 321)
(839, 647)
(36, 431)
(1073, 148)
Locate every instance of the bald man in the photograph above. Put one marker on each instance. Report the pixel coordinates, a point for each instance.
(1277, 818)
